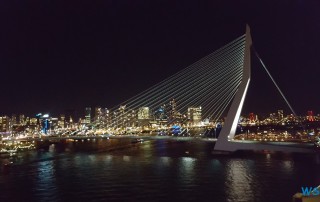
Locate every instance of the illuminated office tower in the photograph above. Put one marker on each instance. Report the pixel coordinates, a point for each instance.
(143, 116)
(98, 114)
(13, 119)
(107, 117)
(122, 116)
(22, 120)
(194, 114)
(61, 122)
(143, 113)
(4, 123)
(172, 109)
(88, 115)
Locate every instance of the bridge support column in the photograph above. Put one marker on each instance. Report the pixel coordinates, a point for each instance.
(229, 128)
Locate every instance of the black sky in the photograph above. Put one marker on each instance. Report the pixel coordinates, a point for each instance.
(57, 55)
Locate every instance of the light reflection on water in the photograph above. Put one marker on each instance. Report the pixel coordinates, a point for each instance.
(159, 171)
(239, 180)
(186, 170)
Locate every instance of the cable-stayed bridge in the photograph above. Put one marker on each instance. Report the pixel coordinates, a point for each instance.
(199, 95)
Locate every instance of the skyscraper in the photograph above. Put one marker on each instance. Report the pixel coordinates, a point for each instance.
(143, 113)
(4, 123)
(22, 120)
(194, 114)
(172, 109)
(98, 114)
(88, 115)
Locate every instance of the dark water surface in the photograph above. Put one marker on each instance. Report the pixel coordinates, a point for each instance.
(157, 170)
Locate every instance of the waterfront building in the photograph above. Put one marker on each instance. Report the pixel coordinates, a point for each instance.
(33, 121)
(194, 114)
(310, 116)
(143, 116)
(160, 114)
(122, 116)
(4, 123)
(107, 117)
(54, 123)
(172, 110)
(22, 120)
(143, 113)
(61, 121)
(98, 115)
(88, 115)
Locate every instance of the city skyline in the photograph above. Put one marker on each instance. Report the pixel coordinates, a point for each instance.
(51, 66)
(165, 100)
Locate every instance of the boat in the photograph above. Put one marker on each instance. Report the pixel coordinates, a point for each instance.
(137, 140)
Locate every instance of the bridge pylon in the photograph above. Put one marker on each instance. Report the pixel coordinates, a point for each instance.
(230, 125)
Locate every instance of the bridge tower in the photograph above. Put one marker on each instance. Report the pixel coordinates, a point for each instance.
(229, 129)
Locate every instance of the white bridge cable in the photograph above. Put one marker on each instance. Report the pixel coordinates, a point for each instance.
(179, 96)
(186, 81)
(211, 83)
(183, 71)
(274, 82)
(216, 100)
(209, 93)
(168, 91)
(177, 83)
(204, 91)
(175, 78)
(222, 106)
(195, 85)
(222, 95)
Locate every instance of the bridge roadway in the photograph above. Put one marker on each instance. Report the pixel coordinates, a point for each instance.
(241, 144)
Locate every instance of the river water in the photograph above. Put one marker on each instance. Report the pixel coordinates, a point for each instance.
(158, 170)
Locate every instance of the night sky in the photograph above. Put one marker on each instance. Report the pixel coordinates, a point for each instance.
(58, 55)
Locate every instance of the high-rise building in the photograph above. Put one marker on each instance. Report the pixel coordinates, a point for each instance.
(88, 115)
(122, 116)
(54, 123)
(143, 113)
(280, 115)
(98, 115)
(61, 121)
(172, 109)
(33, 121)
(107, 117)
(22, 120)
(310, 116)
(4, 123)
(160, 114)
(194, 114)
(13, 119)
(27, 120)
(143, 116)
(132, 118)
